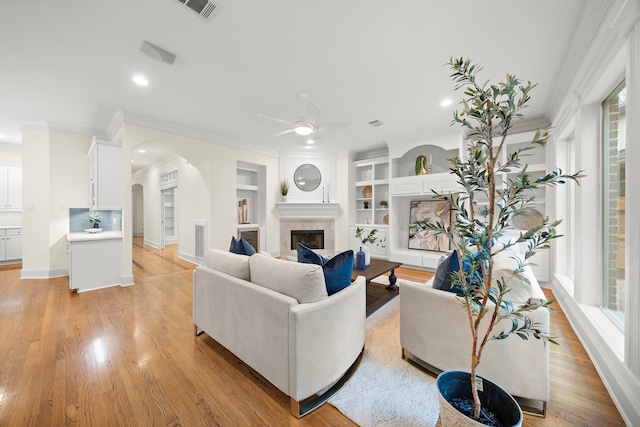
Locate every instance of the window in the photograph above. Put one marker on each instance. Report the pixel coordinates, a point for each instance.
(614, 145)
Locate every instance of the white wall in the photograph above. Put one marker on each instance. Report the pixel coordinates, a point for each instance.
(55, 175)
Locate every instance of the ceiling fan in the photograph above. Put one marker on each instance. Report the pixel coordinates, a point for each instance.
(303, 126)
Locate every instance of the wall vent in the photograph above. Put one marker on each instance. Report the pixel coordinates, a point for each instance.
(201, 238)
(376, 123)
(204, 8)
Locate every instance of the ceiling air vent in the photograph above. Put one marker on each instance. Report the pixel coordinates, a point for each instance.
(204, 8)
(376, 123)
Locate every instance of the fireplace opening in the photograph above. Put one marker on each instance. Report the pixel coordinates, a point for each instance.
(313, 239)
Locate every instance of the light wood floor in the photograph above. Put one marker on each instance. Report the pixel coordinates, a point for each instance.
(128, 357)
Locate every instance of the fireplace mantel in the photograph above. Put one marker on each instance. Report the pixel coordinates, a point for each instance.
(293, 210)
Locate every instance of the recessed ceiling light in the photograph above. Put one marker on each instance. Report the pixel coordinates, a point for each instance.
(141, 80)
(142, 151)
(310, 141)
(446, 102)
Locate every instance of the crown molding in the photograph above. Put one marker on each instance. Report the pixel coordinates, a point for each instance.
(61, 128)
(123, 117)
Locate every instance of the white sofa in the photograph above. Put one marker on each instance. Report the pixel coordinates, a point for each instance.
(434, 332)
(306, 344)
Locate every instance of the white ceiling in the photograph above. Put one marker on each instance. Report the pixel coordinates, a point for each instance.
(71, 62)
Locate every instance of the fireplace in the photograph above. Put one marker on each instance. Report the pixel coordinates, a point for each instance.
(313, 239)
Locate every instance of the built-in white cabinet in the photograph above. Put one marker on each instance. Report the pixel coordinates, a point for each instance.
(95, 260)
(10, 187)
(403, 186)
(105, 175)
(10, 244)
(372, 191)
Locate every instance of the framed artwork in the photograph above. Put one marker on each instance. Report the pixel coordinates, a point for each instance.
(424, 211)
(251, 235)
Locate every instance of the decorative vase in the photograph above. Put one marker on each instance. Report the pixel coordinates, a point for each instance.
(360, 260)
(494, 399)
(423, 170)
(284, 197)
(96, 224)
(367, 254)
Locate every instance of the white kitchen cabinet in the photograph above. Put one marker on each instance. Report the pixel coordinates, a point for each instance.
(105, 175)
(95, 260)
(10, 244)
(10, 187)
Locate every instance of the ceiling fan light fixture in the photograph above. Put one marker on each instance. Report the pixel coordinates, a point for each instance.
(302, 128)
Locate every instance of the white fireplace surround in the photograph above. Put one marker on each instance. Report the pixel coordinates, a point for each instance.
(290, 210)
(307, 216)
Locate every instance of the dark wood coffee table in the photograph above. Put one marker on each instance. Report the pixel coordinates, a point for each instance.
(378, 294)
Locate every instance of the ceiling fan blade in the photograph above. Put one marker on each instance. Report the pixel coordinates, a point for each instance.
(284, 132)
(276, 119)
(329, 126)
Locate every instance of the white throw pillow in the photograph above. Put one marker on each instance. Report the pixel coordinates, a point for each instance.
(504, 265)
(304, 282)
(227, 262)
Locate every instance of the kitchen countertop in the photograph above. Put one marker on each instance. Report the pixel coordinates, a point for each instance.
(103, 235)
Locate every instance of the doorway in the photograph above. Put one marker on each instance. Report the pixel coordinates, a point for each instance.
(169, 216)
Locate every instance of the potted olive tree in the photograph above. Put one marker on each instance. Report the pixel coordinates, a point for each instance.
(487, 115)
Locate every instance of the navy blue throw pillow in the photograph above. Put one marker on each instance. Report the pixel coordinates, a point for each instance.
(241, 247)
(442, 279)
(308, 256)
(337, 270)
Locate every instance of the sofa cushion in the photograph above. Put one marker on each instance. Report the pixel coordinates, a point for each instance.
(304, 282)
(337, 270)
(241, 247)
(232, 264)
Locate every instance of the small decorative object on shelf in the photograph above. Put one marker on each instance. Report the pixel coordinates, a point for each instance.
(384, 204)
(284, 189)
(365, 204)
(360, 260)
(95, 218)
(243, 211)
(424, 164)
(367, 191)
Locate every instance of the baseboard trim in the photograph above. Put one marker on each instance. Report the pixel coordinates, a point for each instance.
(43, 273)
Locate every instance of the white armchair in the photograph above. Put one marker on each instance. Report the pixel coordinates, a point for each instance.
(434, 333)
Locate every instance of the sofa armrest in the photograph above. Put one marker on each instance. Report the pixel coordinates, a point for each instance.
(326, 337)
(247, 319)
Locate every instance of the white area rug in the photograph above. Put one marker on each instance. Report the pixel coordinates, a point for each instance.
(386, 390)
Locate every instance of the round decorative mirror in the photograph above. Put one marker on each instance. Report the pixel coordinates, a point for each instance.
(307, 177)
